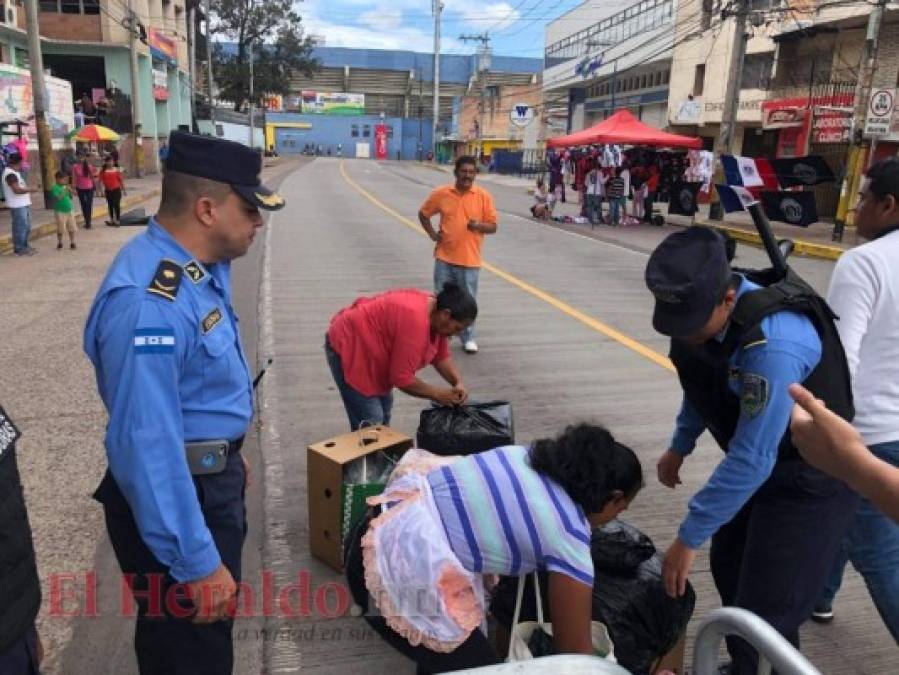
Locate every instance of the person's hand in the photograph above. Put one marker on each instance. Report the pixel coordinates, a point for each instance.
(436, 236)
(214, 596)
(460, 393)
(676, 567)
(447, 397)
(668, 468)
(824, 439)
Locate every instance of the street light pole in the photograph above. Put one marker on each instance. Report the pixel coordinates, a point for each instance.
(252, 102)
(136, 125)
(44, 144)
(438, 9)
(209, 83)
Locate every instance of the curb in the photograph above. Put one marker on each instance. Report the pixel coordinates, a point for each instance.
(48, 228)
(803, 248)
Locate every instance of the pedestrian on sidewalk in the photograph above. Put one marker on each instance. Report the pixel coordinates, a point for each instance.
(595, 185)
(379, 343)
(18, 201)
(467, 213)
(864, 293)
(84, 177)
(113, 181)
(617, 201)
(64, 209)
(164, 341)
(21, 651)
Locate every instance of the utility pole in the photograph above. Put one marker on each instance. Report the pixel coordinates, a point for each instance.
(44, 144)
(136, 126)
(725, 140)
(483, 70)
(209, 83)
(420, 112)
(438, 10)
(192, 62)
(854, 166)
(252, 102)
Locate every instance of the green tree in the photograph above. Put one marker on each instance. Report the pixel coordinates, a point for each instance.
(280, 49)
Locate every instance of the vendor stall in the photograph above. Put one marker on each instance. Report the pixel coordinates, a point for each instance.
(623, 128)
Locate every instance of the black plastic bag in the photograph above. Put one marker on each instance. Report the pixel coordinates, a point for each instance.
(541, 643)
(643, 622)
(619, 547)
(466, 429)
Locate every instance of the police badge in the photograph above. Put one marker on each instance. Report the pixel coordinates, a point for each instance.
(754, 394)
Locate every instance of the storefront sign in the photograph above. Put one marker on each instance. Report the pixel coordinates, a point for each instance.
(160, 85)
(830, 126)
(18, 102)
(162, 47)
(332, 103)
(688, 111)
(713, 106)
(783, 117)
(880, 112)
(273, 102)
(521, 114)
(826, 118)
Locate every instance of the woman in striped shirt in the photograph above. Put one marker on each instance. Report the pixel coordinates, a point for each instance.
(445, 523)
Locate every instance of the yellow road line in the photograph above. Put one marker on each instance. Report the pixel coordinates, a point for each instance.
(586, 319)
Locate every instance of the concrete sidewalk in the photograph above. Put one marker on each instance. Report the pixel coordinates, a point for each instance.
(813, 241)
(44, 222)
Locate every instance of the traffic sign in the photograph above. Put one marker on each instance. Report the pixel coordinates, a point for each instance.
(879, 113)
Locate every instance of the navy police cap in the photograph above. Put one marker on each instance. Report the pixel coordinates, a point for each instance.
(687, 273)
(224, 162)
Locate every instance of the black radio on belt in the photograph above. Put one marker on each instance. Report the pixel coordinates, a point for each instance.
(207, 457)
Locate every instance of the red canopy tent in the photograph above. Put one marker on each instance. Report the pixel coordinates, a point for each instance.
(624, 129)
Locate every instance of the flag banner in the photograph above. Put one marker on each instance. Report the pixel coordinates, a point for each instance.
(734, 197)
(741, 171)
(793, 208)
(808, 170)
(683, 199)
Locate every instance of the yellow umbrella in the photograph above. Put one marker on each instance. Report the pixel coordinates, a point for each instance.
(93, 133)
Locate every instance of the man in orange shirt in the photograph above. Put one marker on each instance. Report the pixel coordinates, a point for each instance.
(467, 213)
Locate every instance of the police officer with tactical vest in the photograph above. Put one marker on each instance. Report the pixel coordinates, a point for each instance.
(20, 589)
(164, 340)
(738, 341)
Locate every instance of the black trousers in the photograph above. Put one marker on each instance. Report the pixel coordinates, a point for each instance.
(475, 652)
(114, 202)
(165, 644)
(86, 198)
(775, 555)
(20, 658)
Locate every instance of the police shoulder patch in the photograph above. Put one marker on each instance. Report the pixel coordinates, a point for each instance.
(195, 271)
(166, 280)
(211, 320)
(754, 394)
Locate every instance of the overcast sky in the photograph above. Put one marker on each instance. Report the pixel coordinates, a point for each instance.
(515, 26)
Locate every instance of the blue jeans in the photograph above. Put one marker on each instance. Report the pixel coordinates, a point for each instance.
(359, 408)
(873, 547)
(21, 228)
(464, 277)
(616, 205)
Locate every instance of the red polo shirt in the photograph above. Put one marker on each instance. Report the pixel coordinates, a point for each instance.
(384, 340)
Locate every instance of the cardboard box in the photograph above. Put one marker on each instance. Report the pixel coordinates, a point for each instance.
(674, 660)
(326, 463)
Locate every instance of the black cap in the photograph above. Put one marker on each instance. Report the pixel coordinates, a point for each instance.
(224, 162)
(687, 273)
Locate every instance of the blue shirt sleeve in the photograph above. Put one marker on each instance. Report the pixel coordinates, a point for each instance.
(140, 347)
(688, 427)
(765, 406)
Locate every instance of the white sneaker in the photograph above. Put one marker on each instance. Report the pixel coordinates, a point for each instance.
(470, 347)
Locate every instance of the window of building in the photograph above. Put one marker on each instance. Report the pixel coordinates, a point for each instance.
(389, 131)
(699, 79)
(757, 71)
(354, 131)
(659, 79)
(91, 6)
(366, 131)
(666, 77)
(219, 130)
(70, 6)
(643, 82)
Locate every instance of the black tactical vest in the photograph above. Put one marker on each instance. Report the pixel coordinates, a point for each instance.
(704, 371)
(20, 588)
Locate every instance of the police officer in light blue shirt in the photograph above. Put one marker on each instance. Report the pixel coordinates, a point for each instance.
(165, 344)
(775, 521)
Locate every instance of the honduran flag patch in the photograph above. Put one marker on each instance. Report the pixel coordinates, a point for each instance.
(154, 340)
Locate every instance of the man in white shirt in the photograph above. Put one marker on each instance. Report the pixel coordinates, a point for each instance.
(864, 293)
(18, 201)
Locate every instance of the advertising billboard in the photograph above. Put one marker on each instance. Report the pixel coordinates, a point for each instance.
(332, 103)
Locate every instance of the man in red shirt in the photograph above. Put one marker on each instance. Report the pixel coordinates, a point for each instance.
(380, 342)
(467, 213)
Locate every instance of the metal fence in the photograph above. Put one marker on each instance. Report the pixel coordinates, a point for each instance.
(519, 162)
